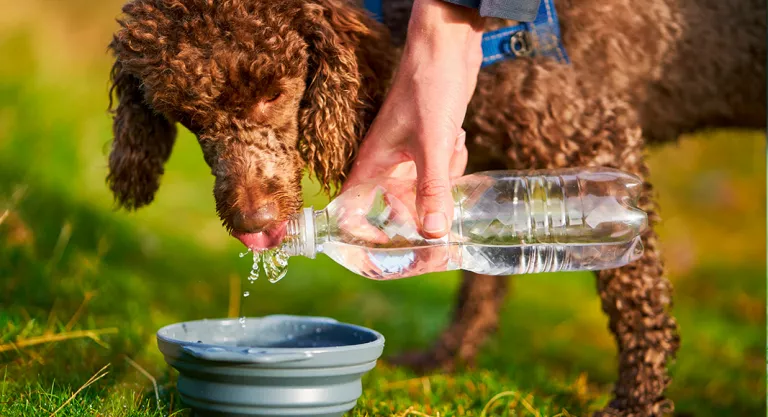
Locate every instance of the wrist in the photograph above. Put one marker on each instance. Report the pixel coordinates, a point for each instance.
(438, 24)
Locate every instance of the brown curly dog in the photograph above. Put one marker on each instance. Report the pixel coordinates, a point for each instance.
(272, 88)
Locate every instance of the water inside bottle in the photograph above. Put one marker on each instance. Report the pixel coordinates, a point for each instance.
(394, 263)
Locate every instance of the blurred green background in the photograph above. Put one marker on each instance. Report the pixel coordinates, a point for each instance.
(92, 285)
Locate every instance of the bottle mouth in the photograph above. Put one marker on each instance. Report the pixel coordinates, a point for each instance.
(300, 234)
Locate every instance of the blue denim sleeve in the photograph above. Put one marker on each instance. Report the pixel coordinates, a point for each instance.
(520, 10)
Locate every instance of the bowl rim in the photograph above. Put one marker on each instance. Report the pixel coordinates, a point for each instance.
(379, 338)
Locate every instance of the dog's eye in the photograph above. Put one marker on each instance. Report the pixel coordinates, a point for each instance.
(274, 96)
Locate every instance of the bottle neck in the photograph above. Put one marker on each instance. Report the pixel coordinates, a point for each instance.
(305, 232)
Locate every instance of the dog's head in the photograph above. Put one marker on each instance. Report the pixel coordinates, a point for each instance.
(268, 88)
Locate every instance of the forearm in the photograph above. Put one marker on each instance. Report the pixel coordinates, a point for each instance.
(438, 29)
(418, 124)
(439, 19)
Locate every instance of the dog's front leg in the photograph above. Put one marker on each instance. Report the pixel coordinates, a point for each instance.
(636, 299)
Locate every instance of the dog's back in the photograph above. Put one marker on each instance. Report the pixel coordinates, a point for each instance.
(683, 64)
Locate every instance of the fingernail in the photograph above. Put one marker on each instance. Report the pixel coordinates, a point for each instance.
(434, 223)
(461, 139)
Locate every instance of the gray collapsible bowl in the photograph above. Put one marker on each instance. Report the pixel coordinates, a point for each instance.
(288, 366)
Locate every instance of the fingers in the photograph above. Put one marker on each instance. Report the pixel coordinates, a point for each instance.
(356, 229)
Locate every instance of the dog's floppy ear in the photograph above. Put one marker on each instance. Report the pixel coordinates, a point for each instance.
(330, 121)
(142, 142)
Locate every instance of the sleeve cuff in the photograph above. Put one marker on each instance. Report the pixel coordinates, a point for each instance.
(520, 10)
(474, 4)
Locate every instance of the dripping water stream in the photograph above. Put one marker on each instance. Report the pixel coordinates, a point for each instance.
(274, 265)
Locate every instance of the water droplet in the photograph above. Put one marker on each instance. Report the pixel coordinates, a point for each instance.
(318, 330)
(242, 255)
(246, 293)
(290, 337)
(303, 326)
(255, 267)
(242, 322)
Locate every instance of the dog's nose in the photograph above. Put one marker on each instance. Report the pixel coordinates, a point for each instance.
(258, 220)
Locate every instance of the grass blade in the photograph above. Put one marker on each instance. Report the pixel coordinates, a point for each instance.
(101, 373)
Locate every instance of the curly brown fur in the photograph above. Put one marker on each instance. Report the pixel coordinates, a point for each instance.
(268, 88)
(642, 72)
(142, 144)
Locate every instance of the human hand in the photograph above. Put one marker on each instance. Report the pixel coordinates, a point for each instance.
(417, 133)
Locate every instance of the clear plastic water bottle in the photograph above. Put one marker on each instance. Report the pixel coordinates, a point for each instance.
(504, 223)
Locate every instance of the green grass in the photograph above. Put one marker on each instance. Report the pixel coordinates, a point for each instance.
(70, 263)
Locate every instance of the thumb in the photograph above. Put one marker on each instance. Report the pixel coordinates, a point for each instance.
(434, 202)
